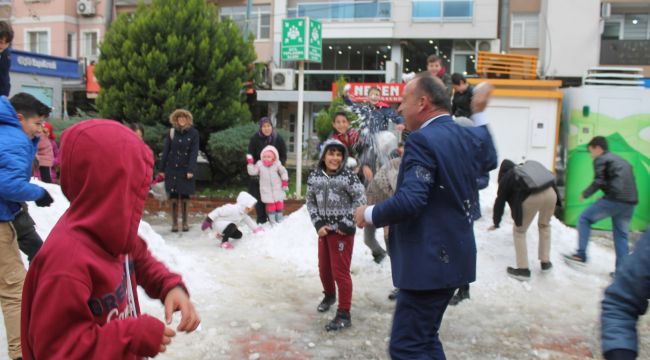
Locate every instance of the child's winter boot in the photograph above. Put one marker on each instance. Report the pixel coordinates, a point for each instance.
(328, 301)
(272, 218)
(279, 217)
(227, 245)
(341, 321)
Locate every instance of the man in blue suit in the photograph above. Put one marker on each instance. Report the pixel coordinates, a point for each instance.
(431, 238)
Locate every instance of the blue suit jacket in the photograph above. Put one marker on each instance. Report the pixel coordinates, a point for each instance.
(431, 235)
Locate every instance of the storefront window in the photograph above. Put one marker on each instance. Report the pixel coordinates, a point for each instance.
(349, 56)
(43, 94)
(416, 53)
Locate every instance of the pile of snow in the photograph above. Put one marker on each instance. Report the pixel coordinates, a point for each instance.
(263, 294)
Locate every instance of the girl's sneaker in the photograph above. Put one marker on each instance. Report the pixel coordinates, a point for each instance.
(227, 245)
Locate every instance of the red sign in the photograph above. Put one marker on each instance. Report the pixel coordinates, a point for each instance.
(92, 85)
(390, 93)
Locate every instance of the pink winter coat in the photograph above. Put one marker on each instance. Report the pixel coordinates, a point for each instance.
(45, 153)
(271, 177)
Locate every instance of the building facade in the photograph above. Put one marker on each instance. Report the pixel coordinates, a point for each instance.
(569, 37)
(373, 42)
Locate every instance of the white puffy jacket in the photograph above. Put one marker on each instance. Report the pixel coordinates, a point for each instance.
(233, 213)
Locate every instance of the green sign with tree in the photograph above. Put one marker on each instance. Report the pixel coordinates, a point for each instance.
(302, 40)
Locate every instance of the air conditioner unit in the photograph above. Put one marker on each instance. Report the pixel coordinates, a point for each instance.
(86, 7)
(282, 79)
(605, 10)
(488, 45)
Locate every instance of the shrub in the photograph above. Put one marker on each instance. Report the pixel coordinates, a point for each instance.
(228, 150)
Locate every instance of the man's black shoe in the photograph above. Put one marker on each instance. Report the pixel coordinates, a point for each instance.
(519, 274)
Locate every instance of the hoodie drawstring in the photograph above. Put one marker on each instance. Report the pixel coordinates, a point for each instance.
(129, 290)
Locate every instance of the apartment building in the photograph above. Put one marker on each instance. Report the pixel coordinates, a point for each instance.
(569, 37)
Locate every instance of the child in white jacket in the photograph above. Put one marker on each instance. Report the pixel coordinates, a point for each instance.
(274, 181)
(227, 217)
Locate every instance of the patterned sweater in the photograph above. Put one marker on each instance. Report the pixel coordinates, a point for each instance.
(333, 198)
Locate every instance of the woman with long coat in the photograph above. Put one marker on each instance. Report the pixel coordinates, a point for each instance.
(261, 139)
(179, 163)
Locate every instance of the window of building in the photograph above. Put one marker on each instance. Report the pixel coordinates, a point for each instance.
(38, 41)
(259, 22)
(343, 10)
(524, 31)
(626, 27)
(42, 93)
(427, 10)
(71, 45)
(613, 29)
(90, 44)
(635, 27)
(463, 62)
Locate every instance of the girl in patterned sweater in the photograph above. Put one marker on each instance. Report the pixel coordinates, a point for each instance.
(333, 194)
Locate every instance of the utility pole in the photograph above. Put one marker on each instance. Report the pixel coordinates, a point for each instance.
(249, 8)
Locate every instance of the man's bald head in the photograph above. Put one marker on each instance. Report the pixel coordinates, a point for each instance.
(434, 89)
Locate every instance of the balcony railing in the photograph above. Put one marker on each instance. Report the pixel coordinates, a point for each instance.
(625, 52)
(442, 10)
(344, 11)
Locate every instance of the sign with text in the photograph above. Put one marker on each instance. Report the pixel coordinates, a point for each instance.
(390, 93)
(47, 65)
(302, 40)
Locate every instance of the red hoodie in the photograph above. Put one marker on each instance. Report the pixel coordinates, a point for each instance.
(77, 302)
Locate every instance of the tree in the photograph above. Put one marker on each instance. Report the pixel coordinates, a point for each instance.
(175, 54)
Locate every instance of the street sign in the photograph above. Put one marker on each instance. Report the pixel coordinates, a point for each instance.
(302, 40)
(315, 50)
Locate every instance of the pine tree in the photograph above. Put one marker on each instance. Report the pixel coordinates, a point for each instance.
(175, 54)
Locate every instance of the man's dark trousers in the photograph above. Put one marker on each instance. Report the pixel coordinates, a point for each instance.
(416, 323)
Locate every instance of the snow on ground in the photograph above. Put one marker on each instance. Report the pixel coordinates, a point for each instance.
(259, 300)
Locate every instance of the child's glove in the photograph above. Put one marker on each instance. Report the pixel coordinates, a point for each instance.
(249, 159)
(258, 230)
(285, 185)
(206, 224)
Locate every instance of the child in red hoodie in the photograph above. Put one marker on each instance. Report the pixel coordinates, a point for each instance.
(79, 297)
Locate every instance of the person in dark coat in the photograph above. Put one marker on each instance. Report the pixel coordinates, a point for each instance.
(626, 299)
(261, 139)
(461, 103)
(525, 205)
(179, 163)
(431, 237)
(615, 177)
(6, 37)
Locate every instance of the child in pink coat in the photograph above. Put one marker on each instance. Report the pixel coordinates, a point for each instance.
(274, 181)
(48, 131)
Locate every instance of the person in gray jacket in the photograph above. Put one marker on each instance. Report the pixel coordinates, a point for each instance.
(625, 299)
(613, 175)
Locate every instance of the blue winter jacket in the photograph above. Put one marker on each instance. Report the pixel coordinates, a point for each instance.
(625, 300)
(17, 152)
(431, 238)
